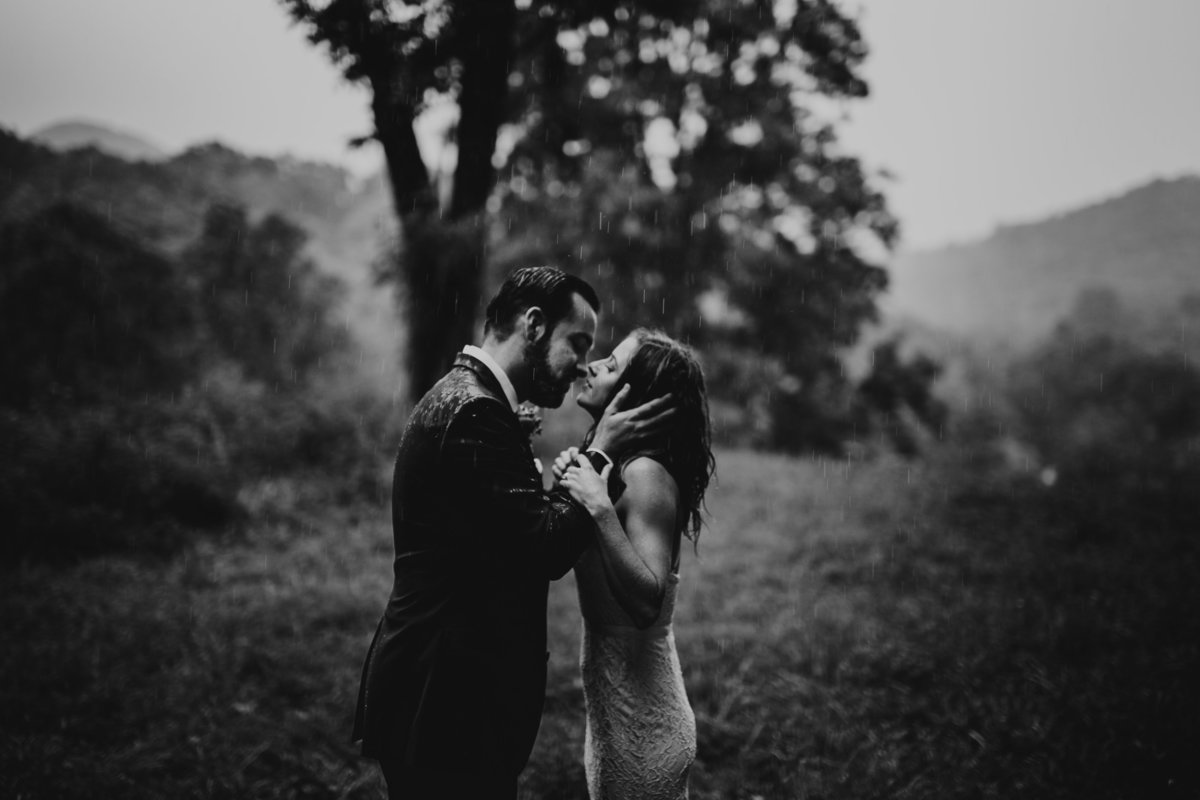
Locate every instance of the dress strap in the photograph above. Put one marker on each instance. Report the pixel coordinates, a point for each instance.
(629, 631)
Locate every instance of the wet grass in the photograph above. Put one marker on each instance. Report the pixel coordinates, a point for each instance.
(860, 630)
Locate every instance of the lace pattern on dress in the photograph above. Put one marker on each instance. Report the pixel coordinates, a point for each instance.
(641, 732)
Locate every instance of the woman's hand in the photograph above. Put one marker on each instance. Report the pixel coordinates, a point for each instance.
(565, 459)
(589, 488)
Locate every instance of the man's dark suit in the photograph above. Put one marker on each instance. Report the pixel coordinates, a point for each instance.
(454, 681)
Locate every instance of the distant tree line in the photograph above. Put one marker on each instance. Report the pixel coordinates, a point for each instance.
(143, 391)
(1110, 404)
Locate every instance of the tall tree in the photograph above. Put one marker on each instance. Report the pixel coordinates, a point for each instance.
(685, 156)
(669, 150)
(409, 55)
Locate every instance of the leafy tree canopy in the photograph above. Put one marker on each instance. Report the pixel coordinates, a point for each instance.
(265, 305)
(87, 313)
(681, 155)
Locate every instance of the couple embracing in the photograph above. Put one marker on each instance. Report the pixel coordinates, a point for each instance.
(454, 681)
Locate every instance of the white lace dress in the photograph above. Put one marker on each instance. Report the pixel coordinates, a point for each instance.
(641, 732)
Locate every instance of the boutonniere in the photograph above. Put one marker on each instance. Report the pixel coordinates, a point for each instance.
(529, 417)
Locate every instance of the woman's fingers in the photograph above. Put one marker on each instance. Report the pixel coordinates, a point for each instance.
(581, 477)
(563, 461)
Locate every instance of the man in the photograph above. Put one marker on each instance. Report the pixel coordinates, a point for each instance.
(454, 681)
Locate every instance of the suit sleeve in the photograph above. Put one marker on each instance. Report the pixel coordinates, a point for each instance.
(485, 453)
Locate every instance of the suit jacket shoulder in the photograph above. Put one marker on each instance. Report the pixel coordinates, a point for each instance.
(467, 383)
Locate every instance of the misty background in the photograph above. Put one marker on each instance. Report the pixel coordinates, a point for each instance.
(941, 262)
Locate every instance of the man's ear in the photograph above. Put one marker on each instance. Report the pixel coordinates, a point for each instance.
(535, 324)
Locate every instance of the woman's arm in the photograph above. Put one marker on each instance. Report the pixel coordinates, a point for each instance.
(637, 554)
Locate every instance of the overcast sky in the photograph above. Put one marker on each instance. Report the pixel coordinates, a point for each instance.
(987, 111)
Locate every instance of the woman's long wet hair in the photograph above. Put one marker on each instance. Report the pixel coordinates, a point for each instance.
(660, 365)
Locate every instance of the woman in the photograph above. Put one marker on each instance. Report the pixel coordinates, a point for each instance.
(641, 733)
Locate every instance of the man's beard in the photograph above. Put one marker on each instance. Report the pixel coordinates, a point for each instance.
(546, 391)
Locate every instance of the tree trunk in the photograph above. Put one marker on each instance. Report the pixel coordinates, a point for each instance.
(442, 263)
(441, 259)
(486, 33)
(439, 262)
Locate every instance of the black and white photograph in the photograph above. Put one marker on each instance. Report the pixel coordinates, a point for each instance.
(599, 400)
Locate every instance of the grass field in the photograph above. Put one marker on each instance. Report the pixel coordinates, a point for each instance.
(847, 630)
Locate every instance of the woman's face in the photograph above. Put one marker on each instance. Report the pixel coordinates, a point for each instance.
(603, 375)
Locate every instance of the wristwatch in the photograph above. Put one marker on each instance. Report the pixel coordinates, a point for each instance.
(599, 460)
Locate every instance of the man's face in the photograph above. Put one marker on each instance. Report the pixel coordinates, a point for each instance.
(558, 358)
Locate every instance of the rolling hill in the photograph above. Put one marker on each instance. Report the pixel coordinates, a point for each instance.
(1014, 286)
(1011, 288)
(77, 134)
(163, 203)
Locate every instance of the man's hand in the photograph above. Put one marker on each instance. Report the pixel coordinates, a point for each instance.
(619, 433)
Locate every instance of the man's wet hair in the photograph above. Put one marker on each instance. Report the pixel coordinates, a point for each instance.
(548, 288)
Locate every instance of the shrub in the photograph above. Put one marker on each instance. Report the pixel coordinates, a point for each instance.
(142, 395)
(87, 313)
(1119, 426)
(108, 478)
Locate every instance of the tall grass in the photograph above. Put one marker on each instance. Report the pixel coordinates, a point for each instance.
(847, 630)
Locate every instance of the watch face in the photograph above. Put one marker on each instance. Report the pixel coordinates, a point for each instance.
(599, 458)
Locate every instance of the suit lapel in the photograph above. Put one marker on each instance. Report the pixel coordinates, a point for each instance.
(489, 382)
(485, 376)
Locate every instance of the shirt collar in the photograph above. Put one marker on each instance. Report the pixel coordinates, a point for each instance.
(510, 391)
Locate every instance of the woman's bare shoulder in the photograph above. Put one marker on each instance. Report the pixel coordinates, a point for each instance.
(648, 484)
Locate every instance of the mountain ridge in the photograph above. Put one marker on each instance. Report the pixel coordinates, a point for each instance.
(1013, 285)
(1017, 283)
(163, 203)
(74, 134)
